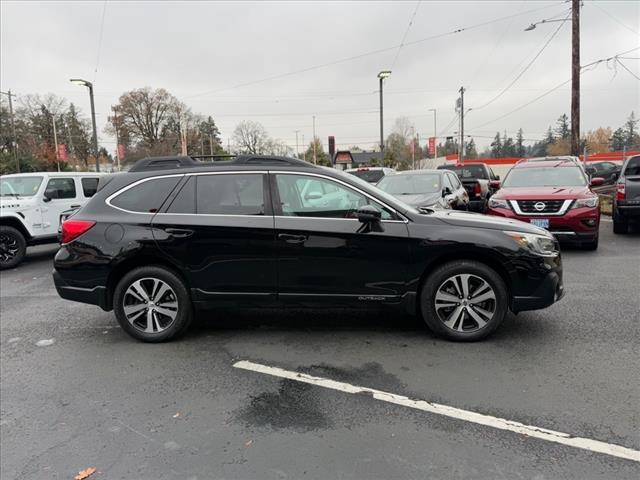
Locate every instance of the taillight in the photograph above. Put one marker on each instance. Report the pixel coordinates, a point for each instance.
(620, 191)
(72, 229)
(476, 190)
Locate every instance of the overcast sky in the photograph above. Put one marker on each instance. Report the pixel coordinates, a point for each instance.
(205, 52)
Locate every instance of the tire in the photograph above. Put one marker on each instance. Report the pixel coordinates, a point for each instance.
(620, 224)
(152, 304)
(13, 247)
(439, 289)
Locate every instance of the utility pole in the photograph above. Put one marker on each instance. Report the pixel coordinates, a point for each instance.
(55, 140)
(297, 151)
(315, 160)
(13, 129)
(115, 125)
(461, 148)
(211, 144)
(304, 152)
(575, 77)
(435, 135)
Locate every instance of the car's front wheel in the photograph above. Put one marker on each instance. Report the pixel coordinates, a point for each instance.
(152, 304)
(13, 247)
(464, 300)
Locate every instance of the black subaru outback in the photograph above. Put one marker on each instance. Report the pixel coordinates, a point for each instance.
(175, 234)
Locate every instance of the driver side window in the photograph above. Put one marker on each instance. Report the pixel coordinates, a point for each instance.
(307, 196)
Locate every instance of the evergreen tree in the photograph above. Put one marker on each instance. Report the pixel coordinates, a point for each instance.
(632, 139)
(618, 140)
(508, 147)
(520, 150)
(470, 151)
(562, 126)
(496, 146)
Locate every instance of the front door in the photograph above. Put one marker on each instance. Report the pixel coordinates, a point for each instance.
(325, 253)
(219, 229)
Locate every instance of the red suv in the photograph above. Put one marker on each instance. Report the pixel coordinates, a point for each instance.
(554, 194)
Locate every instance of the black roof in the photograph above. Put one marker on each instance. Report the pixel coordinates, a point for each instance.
(184, 162)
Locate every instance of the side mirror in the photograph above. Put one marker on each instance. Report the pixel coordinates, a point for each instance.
(614, 176)
(497, 177)
(590, 170)
(597, 181)
(446, 191)
(368, 214)
(495, 184)
(313, 196)
(46, 197)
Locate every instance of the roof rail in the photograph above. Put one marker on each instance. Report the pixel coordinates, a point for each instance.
(179, 162)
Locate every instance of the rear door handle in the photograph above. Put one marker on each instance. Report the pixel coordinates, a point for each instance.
(179, 232)
(76, 206)
(292, 238)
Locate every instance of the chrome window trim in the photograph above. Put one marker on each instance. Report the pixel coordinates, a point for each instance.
(134, 184)
(563, 209)
(379, 202)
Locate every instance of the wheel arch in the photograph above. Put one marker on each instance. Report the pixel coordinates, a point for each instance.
(15, 222)
(472, 256)
(140, 260)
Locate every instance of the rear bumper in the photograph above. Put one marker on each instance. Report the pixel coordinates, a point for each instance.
(548, 292)
(92, 296)
(630, 211)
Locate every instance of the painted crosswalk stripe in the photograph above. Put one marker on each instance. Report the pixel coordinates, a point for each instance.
(452, 412)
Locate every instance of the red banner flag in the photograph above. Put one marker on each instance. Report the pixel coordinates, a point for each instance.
(432, 146)
(121, 151)
(62, 152)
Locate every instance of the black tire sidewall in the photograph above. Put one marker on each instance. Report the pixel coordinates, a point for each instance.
(185, 309)
(22, 247)
(442, 273)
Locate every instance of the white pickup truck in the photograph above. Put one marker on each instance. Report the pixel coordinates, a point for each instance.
(30, 208)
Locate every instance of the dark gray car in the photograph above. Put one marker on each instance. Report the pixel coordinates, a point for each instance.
(626, 201)
(437, 189)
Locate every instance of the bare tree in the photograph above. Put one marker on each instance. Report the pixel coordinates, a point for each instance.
(251, 137)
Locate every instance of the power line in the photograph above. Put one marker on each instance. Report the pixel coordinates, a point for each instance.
(104, 9)
(370, 53)
(625, 67)
(395, 59)
(557, 30)
(614, 18)
(582, 70)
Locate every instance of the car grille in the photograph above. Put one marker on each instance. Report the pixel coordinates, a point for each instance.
(550, 206)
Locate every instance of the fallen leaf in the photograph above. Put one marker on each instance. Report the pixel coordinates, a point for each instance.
(248, 443)
(82, 474)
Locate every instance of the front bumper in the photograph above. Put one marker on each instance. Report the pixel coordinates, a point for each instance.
(548, 292)
(577, 225)
(94, 296)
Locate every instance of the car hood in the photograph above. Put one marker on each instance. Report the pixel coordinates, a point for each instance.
(478, 220)
(541, 193)
(420, 200)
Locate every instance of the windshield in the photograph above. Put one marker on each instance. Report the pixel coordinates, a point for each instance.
(468, 171)
(371, 176)
(633, 167)
(410, 184)
(545, 177)
(19, 186)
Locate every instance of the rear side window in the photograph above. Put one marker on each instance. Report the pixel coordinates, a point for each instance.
(633, 167)
(146, 197)
(230, 194)
(60, 188)
(89, 186)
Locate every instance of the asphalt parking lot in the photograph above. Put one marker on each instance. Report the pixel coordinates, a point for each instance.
(76, 392)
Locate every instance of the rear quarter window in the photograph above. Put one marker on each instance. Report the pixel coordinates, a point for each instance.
(633, 167)
(145, 197)
(89, 186)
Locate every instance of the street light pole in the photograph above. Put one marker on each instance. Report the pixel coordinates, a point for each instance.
(435, 134)
(13, 129)
(575, 77)
(315, 160)
(297, 150)
(382, 75)
(89, 85)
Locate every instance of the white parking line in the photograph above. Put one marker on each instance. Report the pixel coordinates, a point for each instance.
(452, 412)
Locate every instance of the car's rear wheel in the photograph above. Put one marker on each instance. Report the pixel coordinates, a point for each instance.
(13, 247)
(620, 224)
(152, 304)
(464, 300)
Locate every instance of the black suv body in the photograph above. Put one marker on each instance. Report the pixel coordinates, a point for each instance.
(154, 244)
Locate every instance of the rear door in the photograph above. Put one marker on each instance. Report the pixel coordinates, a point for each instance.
(632, 180)
(60, 194)
(218, 228)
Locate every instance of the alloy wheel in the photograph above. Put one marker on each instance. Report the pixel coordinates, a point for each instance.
(465, 303)
(8, 247)
(150, 305)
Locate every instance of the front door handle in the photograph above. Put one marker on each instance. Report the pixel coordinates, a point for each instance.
(76, 206)
(179, 232)
(292, 238)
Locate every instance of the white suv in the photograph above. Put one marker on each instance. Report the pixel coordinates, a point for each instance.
(30, 208)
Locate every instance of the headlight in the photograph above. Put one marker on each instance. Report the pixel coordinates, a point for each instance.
(544, 245)
(497, 203)
(590, 202)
